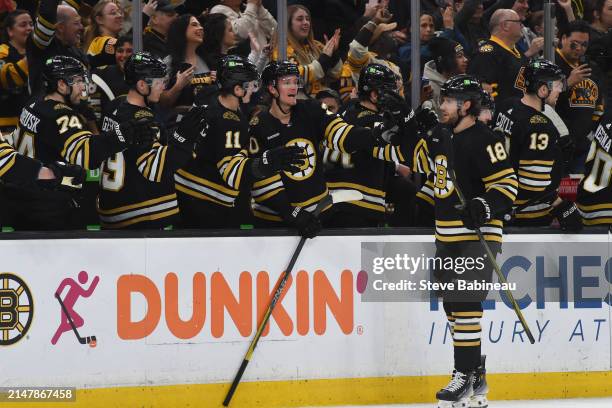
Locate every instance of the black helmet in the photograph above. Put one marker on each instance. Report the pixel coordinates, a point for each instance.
(541, 72)
(463, 87)
(62, 67)
(277, 69)
(487, 101)
(376, 77)
(235, 70)
(142, 65)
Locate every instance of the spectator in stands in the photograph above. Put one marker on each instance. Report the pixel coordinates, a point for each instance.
(187, 66)
(581, 106)
(154, 37)
(448, 60)
(471, 24)
(109, 81)
(13, 69)
(427, 32)
(57, 31)
(600, 47)
(498, 63)
(101, 35)
(219, 38)
(255, 19)
(317, 63)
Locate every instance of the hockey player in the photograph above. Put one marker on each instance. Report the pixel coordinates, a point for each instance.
(51, 130)
(221, 169)
(464, 153)
(533, 142)
(288, 198)
(137, 184)
(594, 198)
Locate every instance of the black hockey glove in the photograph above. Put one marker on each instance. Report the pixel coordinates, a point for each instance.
(138, 132)
(394, 108)
(282, 158)
(426, 119)
(190, 128)
(67, 177)
(306, 222)
(476, 213)
(568, 216)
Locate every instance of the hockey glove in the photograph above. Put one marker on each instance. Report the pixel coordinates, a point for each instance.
(394, 108)
(426, 119)
(568, 216)
(306, 222)
(189, 128)
(476, 213)
(282, 158)
(138, 132)
(67, 177)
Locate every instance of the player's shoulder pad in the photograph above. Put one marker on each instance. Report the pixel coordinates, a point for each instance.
(4, 50)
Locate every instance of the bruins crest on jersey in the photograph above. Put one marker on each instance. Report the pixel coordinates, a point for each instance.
(584, 94)
(310, 163)
(443, 186)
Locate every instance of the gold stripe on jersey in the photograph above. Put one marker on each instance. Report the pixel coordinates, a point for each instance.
(597, 214)
(373, 198)
(76, 149)
(421, 161)
(503, 181)
(389, 153)
(267, 188)
(311, 201)
(232, 167)
(149, 210)
(204, 189)
(265, 213)
(335, 134)
(454, 231)
(7, 157)
(426, 193)
(151, 164)
(534, 175)
(43, 32)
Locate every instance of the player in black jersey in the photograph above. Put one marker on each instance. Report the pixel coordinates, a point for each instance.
(288, 198)
(137, 184)
(533, 141)
(221, 170)
(51, 130)
(361, 171)
(465, 151)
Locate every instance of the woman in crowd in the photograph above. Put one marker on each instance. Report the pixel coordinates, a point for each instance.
(13, 69)
(317, 63)
(187, 66)
(101, 35)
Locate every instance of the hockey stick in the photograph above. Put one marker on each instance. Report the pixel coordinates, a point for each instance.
(91, 340)
(338, 196)
(536, 200)
(500, 275)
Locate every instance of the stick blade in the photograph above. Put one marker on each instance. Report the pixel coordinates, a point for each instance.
(342, 196)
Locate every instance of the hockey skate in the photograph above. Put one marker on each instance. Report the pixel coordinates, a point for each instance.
(481, 388)
(458, 392)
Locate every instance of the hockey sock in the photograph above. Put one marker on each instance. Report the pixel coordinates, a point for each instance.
(448, 309)
(466, 335)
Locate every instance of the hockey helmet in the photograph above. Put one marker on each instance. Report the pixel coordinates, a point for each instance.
(278, 69)
(462, 87)
(376, 77)
(540, 72)
(487, 101)
(62, 67)
(143, 66)
(235, 70)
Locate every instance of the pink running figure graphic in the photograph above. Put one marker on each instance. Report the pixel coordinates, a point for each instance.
(71, 320)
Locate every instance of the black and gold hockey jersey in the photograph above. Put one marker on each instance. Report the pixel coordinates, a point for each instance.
(53, 131)
(137, 184)
(13, 86)
(108, 83)
(532, 140)
(218, 170)
(594, 198)
(16, 168)
(310, 125)
(480, 163)
(359, 171)
(101, 51)
(501, 67)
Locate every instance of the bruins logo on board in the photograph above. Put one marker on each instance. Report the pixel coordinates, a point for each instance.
(443, 187)
(308, 167)
(231, 116)
(519, 83)
(16, 309)
(584, 94)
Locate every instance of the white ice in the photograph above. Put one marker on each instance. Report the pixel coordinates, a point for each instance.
(564, 403)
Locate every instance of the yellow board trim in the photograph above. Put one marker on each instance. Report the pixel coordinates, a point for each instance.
(344, 391)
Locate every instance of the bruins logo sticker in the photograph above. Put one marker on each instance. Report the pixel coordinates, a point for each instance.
(584, 94)
(486, 48)
(16, 309)
(308, 167)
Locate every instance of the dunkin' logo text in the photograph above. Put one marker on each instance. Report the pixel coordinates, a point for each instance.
(314, 295)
